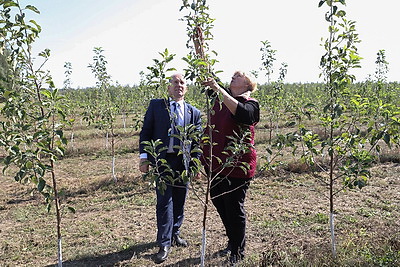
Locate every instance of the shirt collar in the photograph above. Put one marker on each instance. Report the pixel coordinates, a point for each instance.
(245, 95)
(180, 102)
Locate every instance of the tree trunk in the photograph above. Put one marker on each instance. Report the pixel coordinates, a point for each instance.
(332, 227)
(58, 213)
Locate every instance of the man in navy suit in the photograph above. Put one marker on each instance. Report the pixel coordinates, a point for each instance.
(160, 121)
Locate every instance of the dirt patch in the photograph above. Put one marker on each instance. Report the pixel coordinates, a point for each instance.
(114, 223)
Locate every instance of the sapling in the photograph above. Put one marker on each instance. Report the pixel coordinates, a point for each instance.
(200, 66)
(345, 149)
(33, 117)
(199, 25)
(105, 107)
(341, 55)
(271, 95)
(267, 59)
(68, 72)
(67, 87)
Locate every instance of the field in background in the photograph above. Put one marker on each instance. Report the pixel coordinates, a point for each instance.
(114, 223)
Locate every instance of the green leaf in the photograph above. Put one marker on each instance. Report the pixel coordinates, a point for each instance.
(59, 133)
(321, 3)
(71, 209)
(29, 164)
(60, 151)
(34, 9)
(378, 148)
(335, 8)
(290, 124)
(341, 13)
(7, 93)
(9, 4)
(327, 107)
(41, 184)
(46, 93)
(386, 138)
(338, 110)
(360, 183)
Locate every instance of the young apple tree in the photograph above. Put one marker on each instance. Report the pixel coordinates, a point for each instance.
(33, 111)
(200, 67)
(343, 151)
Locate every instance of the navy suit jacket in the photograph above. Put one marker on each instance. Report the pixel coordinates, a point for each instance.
(157, 123)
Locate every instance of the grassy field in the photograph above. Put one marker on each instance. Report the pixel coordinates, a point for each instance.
(114, 223)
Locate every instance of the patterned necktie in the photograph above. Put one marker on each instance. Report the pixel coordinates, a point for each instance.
(178, 122)
(178, 114)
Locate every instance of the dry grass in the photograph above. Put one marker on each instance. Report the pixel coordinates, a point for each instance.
(114, 223)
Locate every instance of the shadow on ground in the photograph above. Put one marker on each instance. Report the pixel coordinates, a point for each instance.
(112, 259)
(185, 262)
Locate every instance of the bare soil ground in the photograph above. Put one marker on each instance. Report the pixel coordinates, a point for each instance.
(114, 223)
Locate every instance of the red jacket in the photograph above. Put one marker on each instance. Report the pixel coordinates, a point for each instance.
(224, 126)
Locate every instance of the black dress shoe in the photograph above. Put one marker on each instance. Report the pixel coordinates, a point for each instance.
(234, 260)
(226, 251)
(162, 254)
(179, 242)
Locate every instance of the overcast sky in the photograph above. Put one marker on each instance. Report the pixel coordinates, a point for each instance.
(132, 32)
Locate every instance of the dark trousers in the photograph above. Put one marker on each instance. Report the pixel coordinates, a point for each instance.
(170, 205)
(230, 207)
